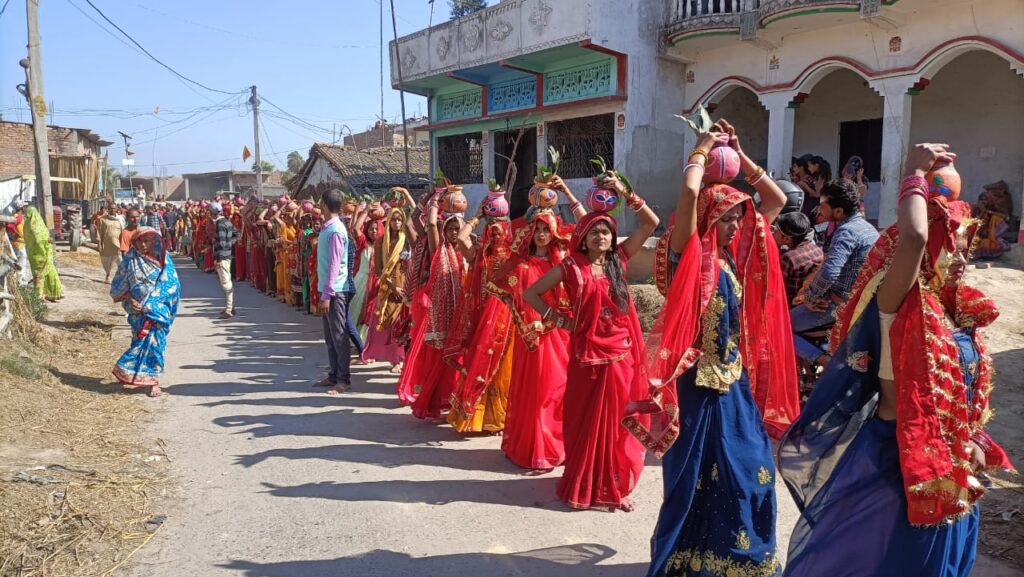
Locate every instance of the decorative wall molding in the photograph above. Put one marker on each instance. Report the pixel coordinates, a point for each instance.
(580, 82)
(458, 105)
(512, 95)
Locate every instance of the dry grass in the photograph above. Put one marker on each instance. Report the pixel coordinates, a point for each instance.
(648, 303)
(76, 479)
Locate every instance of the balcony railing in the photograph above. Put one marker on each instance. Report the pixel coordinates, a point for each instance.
(680, 10)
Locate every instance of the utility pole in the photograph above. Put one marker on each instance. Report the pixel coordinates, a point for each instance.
(401, 93)
(33, 66)
(255, 101)
(128, 162)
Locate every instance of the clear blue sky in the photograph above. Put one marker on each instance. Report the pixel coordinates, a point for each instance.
(316, 59)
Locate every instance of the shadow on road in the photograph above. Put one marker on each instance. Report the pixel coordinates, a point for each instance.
(392, 457)
(580, 560)
(519, 492)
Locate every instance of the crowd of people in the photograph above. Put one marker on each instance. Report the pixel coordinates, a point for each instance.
(527, 327)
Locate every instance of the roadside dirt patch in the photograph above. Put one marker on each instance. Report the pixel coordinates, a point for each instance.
(77, 475)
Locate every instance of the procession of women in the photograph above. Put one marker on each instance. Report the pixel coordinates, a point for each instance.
(526, 328)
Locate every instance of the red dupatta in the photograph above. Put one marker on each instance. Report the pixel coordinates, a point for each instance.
(936, 415)
(444, 286)
(507, 283)
(766, 341)
(491, 255)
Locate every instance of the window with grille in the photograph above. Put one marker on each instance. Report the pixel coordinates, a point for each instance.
(578, 140)
(461, 158)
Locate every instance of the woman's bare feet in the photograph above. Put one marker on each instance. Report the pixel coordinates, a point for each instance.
(626, 505)
(155, 391)
(396, 369)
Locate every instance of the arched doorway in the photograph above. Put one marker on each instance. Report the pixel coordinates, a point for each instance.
(841, 118)
(743, 110)
(976, 104)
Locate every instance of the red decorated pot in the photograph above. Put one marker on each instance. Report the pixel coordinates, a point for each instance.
(541, 196)
(723, 164)
(943, 180)
(453, 201)
(496, 205)
(376, 211)
(350, 206)
(601, 199)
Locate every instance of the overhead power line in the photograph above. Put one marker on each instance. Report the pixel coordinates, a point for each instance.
(154, 58)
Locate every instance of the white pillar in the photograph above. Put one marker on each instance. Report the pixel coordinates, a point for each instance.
(896, 117)
(781, 129)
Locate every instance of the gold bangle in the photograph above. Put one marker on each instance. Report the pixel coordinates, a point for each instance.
(473, 222)
(698, 152)
(754, 178)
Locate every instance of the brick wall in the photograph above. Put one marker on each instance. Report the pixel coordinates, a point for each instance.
(16, 147)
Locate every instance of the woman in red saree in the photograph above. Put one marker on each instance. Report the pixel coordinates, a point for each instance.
(606, 368)
(425, 373)
(238, 220)
(481, 349)
(533, 437)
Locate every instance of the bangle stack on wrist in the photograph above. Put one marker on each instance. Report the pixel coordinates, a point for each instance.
(755, 178)
(913, 186)
(574, 206)
(699, 152)
(636, 204)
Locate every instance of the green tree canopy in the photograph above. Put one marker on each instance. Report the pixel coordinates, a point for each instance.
(462, 8)
(267, 166)
(295, 162)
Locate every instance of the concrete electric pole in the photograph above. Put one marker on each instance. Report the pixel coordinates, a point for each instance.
(33, 66)
(255, 101)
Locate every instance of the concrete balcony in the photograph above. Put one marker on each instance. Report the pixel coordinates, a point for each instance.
(694, 26)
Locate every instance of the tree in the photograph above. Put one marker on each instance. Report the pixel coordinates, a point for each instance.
(111, 181)
(462, 8)
(267, 166)
(295, 162)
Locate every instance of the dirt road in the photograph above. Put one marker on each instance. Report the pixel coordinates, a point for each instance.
(277, 480)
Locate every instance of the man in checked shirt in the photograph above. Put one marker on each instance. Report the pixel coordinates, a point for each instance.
(847, 251)
(799, 257)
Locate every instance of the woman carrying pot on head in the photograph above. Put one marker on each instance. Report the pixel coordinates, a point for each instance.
(389, 307)
(425, 373)
(606, 369)
(533, 436)
(722, 371)
(885, 460)
(481, 347)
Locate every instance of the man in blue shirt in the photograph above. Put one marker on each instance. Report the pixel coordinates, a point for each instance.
(847, 251)
(332, 257)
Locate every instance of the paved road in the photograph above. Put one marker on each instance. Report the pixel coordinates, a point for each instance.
(280, 481)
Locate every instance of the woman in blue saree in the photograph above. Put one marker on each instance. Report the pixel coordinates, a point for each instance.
(884, 461)
(147, 286)
(723, 377)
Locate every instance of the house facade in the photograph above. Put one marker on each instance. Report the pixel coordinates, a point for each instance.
(835, 78)
(582, 76)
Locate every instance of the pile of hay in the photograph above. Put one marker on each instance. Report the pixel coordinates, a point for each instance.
(76, 479)
(648, 302)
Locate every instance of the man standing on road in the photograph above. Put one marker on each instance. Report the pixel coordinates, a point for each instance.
(223, 251)
(332, 271)
(171, 218)
(131, 225)
(108, 232)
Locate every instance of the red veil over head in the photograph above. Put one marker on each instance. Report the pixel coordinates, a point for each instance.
(506, 284)
(766, 342)
(936, 415)
(445, 288)
(491, 253)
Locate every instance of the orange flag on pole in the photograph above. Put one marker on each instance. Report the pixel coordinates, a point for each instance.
(245, 153)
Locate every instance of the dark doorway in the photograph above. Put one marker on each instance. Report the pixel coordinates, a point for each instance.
(861, 138)
(526, 165)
